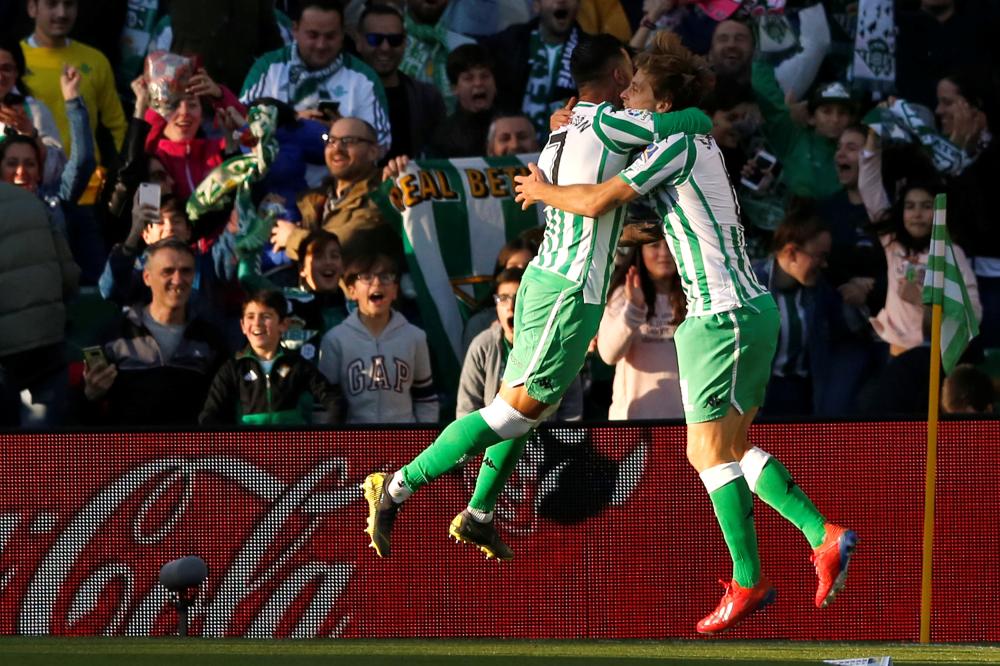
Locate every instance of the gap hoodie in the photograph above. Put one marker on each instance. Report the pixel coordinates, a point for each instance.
(384, 379)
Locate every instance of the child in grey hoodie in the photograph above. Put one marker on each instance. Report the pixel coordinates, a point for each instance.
(378, 358)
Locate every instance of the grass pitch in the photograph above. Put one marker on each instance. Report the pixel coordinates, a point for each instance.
(210, 652)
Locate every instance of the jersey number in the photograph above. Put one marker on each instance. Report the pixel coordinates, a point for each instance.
(559, 141)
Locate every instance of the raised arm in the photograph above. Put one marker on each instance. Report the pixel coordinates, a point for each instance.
(588, 200)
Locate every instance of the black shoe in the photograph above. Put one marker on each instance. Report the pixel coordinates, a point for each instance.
(380, 520)
(467, 529)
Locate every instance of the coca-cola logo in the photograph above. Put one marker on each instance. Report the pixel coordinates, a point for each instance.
(101, 565)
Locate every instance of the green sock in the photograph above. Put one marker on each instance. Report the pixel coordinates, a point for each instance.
(467, 436)
(776, 487)
(498, 464)
(733, 504)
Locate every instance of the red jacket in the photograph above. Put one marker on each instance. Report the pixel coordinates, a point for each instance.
(188, 162)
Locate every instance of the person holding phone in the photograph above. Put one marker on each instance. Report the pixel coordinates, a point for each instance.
(314, 69)
(21, 114)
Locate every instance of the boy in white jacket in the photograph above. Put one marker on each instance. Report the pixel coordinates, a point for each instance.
(378, 358)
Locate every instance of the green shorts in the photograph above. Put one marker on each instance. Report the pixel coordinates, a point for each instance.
(553, 329)
(725, 359)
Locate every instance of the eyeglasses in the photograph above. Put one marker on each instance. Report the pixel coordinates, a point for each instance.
(345, 141)
(503, 299)
(375, 39)
(368, 277)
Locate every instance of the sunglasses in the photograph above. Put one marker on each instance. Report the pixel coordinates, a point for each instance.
(375, 39)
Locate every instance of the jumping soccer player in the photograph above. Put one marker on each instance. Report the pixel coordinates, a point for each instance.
(726, 343)
(558, 306)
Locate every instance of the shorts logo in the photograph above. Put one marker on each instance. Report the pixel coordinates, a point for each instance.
(545, 383)
(714, 401)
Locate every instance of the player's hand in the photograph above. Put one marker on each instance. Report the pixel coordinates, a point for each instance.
(633, 288)
(281, 233)
(97, 381)
(394, 167)
(562, 116)
(529, 188)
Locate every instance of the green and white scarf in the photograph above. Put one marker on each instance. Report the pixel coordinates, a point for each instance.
(240, 172)
(911, 123)
(874, 66)
(426, 57)
(541, 82)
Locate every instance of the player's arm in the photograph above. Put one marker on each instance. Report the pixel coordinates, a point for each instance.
(588, 200)
(627, 129)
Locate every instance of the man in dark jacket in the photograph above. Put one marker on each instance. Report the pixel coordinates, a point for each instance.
(535, 76)
(159, 360)
(36, 274)
(415, 107)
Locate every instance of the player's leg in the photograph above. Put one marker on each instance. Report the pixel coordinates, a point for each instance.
(770, 480)
(463, 438)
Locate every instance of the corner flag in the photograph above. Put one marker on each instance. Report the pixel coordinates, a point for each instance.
(945, 286)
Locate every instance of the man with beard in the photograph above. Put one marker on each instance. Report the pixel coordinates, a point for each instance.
(415, 107)
(536, 76)
(315, 75)
(428, 45)
(352, 156)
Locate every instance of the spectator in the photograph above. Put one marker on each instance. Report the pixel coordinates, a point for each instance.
(486, 357)
(940, 38)
(39, 274)
(428, 44)
(645, 307)
(22, 114)
(47, 52)
(380, 360)
(536, 76)
(177, 140)
(967, 390)
(317, 305)
(21, 160)
(905, 233)
(511, 134)
(807, 153)
(810, 318)
(463, 133)
(228, 34)
(348, 210)
(123, 281)
(732, 49)
(517, 253)
(161, 360)
(317, 77)
(265, 384)
(415, 107)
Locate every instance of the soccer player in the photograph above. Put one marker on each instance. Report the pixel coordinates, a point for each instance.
(726, 343)
(558, 306)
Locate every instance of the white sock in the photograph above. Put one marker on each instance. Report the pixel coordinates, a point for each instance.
(398, 490)
(480, 516)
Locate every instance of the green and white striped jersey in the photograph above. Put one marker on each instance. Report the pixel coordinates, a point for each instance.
(281, 74)
(597, 144)
(701, 218)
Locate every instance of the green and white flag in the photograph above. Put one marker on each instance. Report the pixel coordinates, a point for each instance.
(454, 216)
(944, 285)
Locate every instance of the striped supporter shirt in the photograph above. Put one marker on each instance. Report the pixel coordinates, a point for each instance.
(597, 144)
(693, 195)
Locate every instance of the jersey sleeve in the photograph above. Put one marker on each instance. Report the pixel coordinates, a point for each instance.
(627, 129)
(665, 162)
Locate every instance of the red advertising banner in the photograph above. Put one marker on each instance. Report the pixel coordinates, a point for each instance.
(613, 533)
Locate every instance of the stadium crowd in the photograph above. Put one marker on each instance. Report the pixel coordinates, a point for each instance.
(191, 229)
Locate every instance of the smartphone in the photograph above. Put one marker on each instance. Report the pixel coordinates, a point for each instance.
(330, 110)
(763, 164)
(94, 357)
(149, 194)
(13, 99)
